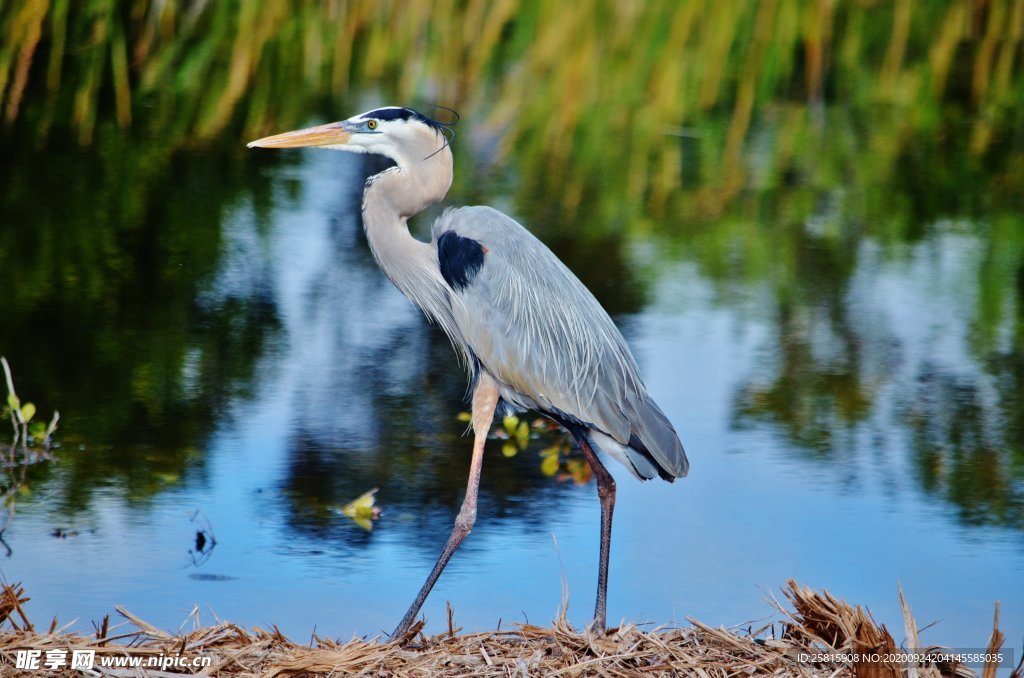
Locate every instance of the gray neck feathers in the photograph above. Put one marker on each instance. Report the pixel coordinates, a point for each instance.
(393, 196)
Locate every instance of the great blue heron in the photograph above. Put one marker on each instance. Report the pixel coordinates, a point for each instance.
(532, 336)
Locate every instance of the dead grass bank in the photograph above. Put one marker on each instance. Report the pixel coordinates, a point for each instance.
(809, 623)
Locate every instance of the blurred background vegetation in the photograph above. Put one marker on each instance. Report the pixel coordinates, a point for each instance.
(601, 88)
(765, 143)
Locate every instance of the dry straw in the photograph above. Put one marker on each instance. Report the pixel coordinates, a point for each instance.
(817, 623)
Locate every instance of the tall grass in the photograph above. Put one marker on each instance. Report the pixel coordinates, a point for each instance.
(579, 91)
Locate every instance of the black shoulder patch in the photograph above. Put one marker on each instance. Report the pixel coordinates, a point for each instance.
(460, 258)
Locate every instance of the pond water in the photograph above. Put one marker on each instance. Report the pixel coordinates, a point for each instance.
(239, 367)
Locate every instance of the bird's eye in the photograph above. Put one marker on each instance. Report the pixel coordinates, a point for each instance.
(372, 124)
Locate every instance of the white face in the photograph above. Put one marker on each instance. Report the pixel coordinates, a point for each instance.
(383, 130)
(401, 134)
(398, 133)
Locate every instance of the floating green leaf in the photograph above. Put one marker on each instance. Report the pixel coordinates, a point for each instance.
(362, 510)
(509, 449)
(13, 402)
(510, 422)
(361, 505)
(549, 466)
(579, 471)
(465, 416)
(523, 434)
(28, 410)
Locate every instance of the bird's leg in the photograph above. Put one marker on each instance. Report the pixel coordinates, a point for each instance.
(606, 493)
(485, 399)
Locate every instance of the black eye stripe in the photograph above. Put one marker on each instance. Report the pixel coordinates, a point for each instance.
(401, 114)
(391, 114)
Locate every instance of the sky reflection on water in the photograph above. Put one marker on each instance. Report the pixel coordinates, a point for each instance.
(351, 389)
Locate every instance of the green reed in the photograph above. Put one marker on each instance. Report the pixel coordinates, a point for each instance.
(574, 89)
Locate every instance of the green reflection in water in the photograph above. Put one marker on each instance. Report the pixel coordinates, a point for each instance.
(764, 142)
(108, 250)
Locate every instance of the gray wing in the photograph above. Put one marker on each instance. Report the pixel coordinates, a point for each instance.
(548, 342)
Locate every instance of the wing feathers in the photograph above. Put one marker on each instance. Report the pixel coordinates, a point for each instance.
(550, 345)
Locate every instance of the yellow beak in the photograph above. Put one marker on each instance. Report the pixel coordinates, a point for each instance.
(331, 134)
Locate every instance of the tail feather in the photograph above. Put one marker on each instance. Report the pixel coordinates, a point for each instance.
(641, 437)
(641, 464)
(654, 435)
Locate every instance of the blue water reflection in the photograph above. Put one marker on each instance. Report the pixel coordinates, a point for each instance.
(352, 389)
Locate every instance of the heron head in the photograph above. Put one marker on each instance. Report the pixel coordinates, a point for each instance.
(401, 134)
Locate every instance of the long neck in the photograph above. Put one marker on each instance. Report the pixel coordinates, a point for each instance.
(391, 197)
